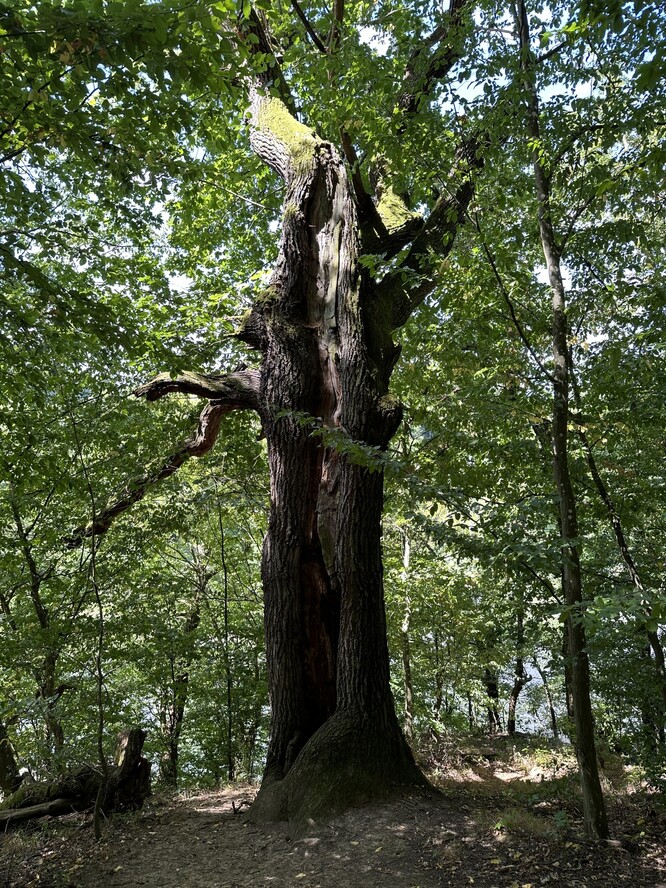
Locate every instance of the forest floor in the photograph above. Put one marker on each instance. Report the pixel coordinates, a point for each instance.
(507, 816)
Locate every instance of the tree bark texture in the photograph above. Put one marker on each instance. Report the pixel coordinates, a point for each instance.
(327, 359)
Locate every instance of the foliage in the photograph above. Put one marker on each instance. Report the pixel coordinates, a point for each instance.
(135, 227)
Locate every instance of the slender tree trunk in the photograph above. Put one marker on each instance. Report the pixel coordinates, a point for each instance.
(492, 693)
(549, 700)
(470, 712)
(408, 724)
(231, 770)
(625, 552)
(172, 711)
(51, 693)
(593, 803)
(46, 676)
(521, 678)
(439, 680)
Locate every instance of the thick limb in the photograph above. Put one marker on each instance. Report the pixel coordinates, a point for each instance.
(230, 392)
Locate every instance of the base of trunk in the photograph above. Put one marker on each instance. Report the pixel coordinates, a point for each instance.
(350, 761)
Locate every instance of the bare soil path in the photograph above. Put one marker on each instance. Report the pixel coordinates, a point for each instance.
(492, 828)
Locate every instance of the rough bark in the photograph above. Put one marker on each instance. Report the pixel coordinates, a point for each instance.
(593, 803)
(127, 786)
(326, 354)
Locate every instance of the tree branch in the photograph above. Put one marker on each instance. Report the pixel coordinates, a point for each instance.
(338, 18)
(233, 391)
(436, 236)
(426, 67)
(312, 34)
(512, 311)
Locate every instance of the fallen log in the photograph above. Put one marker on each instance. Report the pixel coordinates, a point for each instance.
(127, 786)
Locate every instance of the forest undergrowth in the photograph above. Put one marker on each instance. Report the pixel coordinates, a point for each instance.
(507, 815)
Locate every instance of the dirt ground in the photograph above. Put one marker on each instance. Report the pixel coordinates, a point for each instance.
(490, 826)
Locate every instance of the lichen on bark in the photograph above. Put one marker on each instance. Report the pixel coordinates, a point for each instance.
(273, 118)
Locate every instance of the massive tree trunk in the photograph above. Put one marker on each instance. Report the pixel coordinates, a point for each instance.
(323, 328)
(327, 415)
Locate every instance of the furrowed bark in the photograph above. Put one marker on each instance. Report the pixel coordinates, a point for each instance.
(594, 811)
(334, 731)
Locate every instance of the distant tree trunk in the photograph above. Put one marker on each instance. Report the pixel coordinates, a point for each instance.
(492, 693)
(593, 802)
(652, 636)
(10, 777)
(231, 770)
(470, 712)
(521, 678)
(549, 700)
(46, 675)
(51, 694)
(439, 679)
(172, 710)
(408, 725)
(256, 720)
(568, 674)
